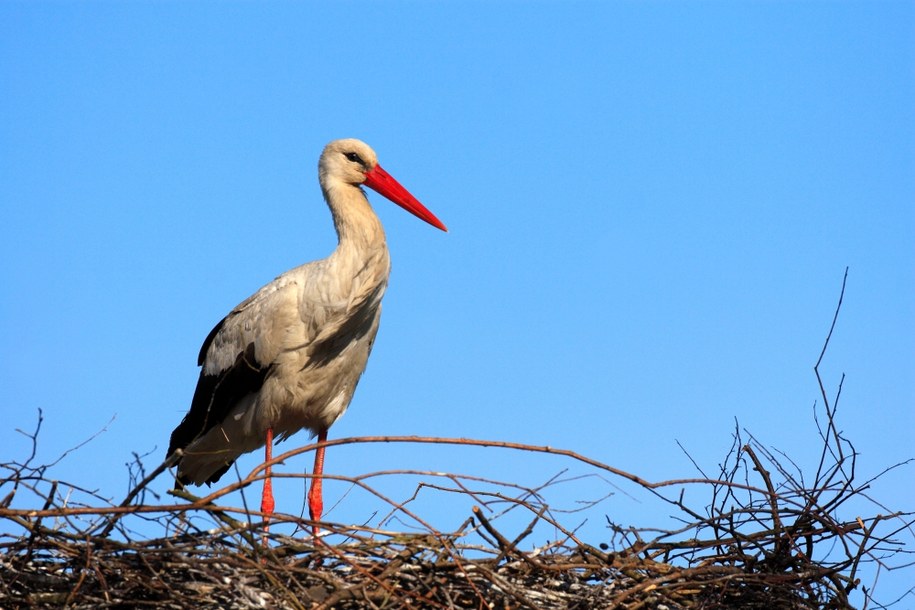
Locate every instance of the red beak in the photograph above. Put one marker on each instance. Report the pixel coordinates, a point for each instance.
(381, 181)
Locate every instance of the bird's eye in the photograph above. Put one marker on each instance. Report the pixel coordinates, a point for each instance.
(354, 158)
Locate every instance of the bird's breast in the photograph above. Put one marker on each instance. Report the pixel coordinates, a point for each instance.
(313, 385)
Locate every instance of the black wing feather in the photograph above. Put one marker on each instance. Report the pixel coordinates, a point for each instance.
(216, 395)
(202, 356)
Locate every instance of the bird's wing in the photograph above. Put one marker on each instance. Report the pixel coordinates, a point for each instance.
(293, 312)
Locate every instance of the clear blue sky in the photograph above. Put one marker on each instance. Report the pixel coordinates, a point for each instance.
(651, 206)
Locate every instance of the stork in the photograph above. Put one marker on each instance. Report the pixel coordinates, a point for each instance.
(289, 356)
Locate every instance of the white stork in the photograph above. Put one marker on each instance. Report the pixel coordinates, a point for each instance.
(290, 356)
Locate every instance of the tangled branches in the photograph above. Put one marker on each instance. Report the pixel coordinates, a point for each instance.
(763, 541)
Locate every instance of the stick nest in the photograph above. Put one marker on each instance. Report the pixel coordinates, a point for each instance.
(758, 543)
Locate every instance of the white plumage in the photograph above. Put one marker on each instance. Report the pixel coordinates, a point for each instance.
(289, 357)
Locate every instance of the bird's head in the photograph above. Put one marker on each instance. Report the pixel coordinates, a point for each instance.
(353, 162)
(347, 161)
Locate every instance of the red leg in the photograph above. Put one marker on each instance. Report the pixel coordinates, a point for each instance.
(315, 499)
(267, 503)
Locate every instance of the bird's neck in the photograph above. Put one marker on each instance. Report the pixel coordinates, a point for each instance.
(361, 239)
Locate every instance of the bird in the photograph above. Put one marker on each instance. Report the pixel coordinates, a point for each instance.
(289, 357)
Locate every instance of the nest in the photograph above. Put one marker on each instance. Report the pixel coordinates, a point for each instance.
(757, 544)
(760, 538)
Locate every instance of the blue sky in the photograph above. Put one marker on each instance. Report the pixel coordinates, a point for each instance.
(651, 206)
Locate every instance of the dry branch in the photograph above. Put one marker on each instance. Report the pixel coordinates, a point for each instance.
(760, 543)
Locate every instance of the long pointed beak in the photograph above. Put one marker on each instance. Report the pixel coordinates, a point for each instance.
(381, 181)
